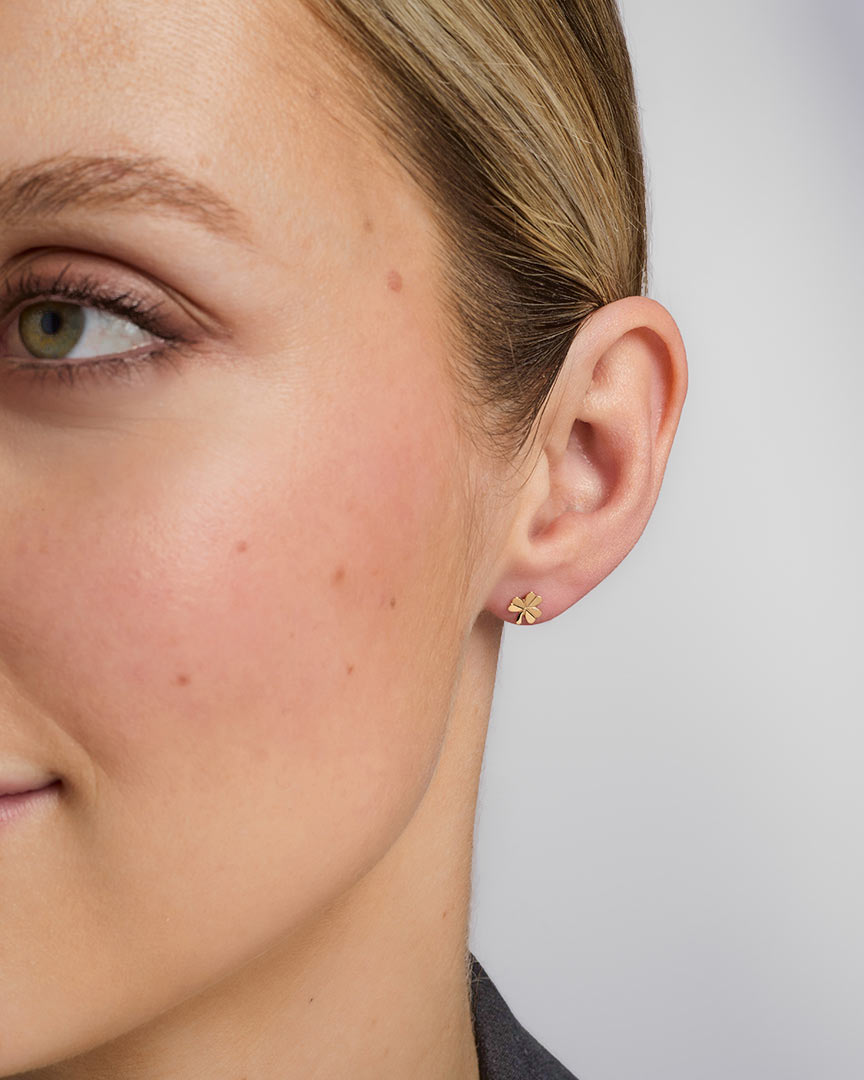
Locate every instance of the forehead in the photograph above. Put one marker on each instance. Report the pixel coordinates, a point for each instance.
(242, 98)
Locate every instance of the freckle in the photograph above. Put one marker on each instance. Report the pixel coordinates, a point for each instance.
(241, 545)
(444, 914)
(350, 668)
(182, 680)
(337, 575)
(311, 1000)
(367, 224)
(392, 601)
(394, 280)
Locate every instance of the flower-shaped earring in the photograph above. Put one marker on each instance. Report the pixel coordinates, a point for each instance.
(528, 607)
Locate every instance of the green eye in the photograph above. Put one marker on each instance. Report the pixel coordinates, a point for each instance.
(50, 328)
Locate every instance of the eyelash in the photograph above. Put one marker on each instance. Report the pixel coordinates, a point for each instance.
(87, 291)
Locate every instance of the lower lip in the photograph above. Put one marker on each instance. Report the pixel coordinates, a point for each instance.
(15, 806)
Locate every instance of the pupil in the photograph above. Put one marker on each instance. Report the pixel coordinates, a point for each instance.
(50, 322)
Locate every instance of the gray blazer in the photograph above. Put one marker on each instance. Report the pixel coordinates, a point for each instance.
(505, 1050)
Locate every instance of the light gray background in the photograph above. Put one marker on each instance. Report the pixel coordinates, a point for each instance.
(668, 874)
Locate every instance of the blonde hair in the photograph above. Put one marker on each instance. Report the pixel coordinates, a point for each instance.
(518, 119)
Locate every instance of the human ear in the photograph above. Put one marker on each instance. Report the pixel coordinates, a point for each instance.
(604, 440)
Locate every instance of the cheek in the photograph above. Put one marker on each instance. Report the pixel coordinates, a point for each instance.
(247, 635)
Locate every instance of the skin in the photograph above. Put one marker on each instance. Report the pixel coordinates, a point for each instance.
(243, 616)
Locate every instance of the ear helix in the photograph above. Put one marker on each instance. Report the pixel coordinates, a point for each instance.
(527, 606)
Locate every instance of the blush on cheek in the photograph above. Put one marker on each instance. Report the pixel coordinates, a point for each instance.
(269, 598)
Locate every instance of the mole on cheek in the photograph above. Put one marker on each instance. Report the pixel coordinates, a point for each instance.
(182, 680)
(394, 280)
(337, 575)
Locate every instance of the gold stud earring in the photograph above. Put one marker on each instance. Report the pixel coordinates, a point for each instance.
(528, 607)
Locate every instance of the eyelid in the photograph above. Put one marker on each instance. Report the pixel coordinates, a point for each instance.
(93, 294)
(182, 315)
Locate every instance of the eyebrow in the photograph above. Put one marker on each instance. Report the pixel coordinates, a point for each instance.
(141, 181)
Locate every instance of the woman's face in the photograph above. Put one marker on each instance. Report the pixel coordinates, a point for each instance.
(231, 585)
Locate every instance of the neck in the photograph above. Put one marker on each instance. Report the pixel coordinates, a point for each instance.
(375, 986)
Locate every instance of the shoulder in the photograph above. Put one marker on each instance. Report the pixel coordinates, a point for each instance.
(505, 1050)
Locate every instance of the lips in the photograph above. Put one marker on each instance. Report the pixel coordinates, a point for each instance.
(21, 803)
(22, 787)
(18, 775)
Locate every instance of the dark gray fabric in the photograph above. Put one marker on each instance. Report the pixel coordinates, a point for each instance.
(505, 1050)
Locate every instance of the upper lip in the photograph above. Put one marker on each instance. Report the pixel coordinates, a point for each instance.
(18, 777)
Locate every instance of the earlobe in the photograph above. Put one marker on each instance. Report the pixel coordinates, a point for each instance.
(604, 442)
